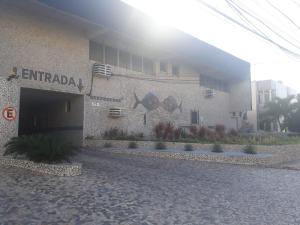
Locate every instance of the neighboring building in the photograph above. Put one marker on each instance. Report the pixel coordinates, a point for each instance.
(263, 92)
(80, 68)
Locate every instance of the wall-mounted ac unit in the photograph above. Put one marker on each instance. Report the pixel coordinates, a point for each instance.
(102, 70)
(209, 93)
(116, 112)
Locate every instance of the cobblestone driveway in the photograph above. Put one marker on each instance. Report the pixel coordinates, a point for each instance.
(118, 189)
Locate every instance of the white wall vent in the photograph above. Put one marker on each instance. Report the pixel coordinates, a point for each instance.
(209, 93)
(102, 70)
(116, 112)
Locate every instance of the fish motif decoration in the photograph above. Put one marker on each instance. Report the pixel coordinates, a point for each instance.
(170, 104)
(151, 102)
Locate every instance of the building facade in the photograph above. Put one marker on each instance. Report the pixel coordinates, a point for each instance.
(265, 91)
(71, 70)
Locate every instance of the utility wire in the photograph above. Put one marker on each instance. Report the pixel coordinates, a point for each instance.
(215, 10)
(283, 14)
(264, 24)
(237, 11)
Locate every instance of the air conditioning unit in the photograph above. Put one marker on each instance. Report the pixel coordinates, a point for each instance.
(116, 112)
(102, 70)
(209, 93)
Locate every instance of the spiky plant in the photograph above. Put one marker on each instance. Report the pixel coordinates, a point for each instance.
(39, 148)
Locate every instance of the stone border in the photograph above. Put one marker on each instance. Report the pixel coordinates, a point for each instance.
(50, 169)
(216, 157)
(279, 153)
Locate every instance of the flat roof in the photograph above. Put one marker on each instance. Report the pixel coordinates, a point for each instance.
(125, 20)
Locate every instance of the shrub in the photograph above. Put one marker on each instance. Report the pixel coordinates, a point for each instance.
(160, 145)
(178, 133)
(188, 147)
(39, 148)
(217, 148)
(107, 145)
(220, 130)
(159, 130)
(169, 131)
(193, 131)
(233, 132)
(132, 144)
(210, 135)
(250, 149)
(115, 133)
(202, 132)
(89, 137)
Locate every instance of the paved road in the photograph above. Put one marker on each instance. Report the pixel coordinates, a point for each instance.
(127, 190)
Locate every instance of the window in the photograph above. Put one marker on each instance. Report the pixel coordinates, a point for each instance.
(111, 56)
(96, 51)
(175, 70)
(267, 96)
(124, 59)
(137, 63)
(148, 66)
(213, 83)
(163, 66)
(194, 117)
(273, 95)
(260, 97)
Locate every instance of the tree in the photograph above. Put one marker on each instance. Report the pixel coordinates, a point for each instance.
(294, 120)
(279, 111)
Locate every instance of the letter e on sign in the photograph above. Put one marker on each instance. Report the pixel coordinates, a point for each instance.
(9, 113)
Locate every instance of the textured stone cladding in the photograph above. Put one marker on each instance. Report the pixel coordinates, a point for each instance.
(36, 45)
(47, 53)
(190, 96)
(9, 97)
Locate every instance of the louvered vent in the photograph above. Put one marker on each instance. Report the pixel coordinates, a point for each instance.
(116, 112)
(102, 70)
(209, 93)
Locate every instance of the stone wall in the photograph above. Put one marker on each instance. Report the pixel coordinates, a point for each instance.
(35, 47)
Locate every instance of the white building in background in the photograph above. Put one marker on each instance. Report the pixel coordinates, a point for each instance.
(265, 91)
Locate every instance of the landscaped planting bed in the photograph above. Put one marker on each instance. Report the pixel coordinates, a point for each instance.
(266, 155)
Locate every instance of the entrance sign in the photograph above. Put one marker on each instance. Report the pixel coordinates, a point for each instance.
(42, 76)
(9, 113)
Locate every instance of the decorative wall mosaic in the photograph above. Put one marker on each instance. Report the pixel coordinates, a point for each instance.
(151, 102)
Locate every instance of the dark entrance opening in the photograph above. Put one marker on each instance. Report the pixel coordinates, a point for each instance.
(51, 112)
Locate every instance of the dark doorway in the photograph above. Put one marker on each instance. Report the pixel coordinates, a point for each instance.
(51, 112)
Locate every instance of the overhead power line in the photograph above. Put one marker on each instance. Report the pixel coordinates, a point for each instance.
(283, 14)
(255, 29)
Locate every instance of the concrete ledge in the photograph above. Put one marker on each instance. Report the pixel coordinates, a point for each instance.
(215, 157)
(279, 153)
(51, 169)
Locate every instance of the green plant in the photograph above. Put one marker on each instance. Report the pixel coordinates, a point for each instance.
(132, 144)
(188, 147)
(250, 149)
(107, 145)
(217, 148)
(220, 130)
(159, 130)
(160, 145)
(39, 148)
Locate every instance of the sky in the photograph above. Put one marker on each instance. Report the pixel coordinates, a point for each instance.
(267, 61)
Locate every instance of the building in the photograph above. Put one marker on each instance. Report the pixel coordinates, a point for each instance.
(79, 68)
(265, 91)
